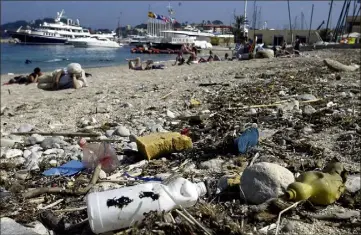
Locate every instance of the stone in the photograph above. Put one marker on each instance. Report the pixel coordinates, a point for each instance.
(40, 228)
(306, 97)
(7, 143)
(30, 141)
(25, 128)
(170, 114)
(9, 226)
(11, 153)
(38, 138)
(282, 93)
(53, 162)
(122, 131)
(109, 133)
(32, 162)
(263, 181)
(214, 165)
(131, 146)
(132, 138)
(156, 128)
(353, 183)
(157, 144)
(16, 161)
(265, 53)
(22, 175)
(102, 174)
(3, 175)
(54, 151)
(52, 142)
(309, 110)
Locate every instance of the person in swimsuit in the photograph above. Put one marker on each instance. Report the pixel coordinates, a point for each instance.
(31, 78)
(136, 64)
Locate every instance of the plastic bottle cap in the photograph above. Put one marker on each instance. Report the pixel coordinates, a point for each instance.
(201, 188)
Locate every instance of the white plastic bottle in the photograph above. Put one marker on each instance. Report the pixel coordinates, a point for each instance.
(121, 208)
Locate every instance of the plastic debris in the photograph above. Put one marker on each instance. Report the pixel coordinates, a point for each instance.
(68, 169)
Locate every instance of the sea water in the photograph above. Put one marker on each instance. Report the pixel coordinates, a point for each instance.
(51, 57)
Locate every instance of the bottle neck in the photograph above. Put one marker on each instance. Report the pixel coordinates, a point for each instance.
(201, 189)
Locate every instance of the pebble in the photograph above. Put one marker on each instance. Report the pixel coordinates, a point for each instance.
(122, 131)
(309, 110)
(9, 226)
(307, 130)
(22, 175)
(214, 165)
(263, 181)
(53, 162)
(102, 174)
(4, 175)
(132, 146)
(52, 142)
(38, 138)
(11, 153)
(17, 161)
(25, 128)
(30, 141)
(26, 153)
(7, 143)
(109, 133)
(54, 151)
(343, 94)
(282, 93)
(32, 162)
(353, 183)
(306, 97)
(170, 114)
(132, 138)
(157, 128)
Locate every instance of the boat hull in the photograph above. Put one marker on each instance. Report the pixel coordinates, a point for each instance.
(94, 45)
(165, 46)
(36, 39)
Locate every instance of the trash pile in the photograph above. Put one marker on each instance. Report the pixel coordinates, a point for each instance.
(273, 156)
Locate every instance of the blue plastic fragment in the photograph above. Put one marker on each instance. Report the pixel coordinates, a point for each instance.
(143, 178)
(68, 169)
(247, 140)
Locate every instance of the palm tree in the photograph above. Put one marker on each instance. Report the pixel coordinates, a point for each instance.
(237, 30)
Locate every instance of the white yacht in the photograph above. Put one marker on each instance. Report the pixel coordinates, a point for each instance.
(95, 41)
(51, 33)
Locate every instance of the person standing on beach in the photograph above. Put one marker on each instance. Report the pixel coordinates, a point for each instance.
(73, 76)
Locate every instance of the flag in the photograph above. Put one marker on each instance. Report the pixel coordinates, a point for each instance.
(152, 15)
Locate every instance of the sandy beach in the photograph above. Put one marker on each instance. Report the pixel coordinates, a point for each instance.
(140, 99)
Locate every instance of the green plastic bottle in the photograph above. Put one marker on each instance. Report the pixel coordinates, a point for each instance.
(322, 188)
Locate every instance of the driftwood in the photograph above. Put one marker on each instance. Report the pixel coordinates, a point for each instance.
(65, 134)
(337, 66)
(78, 191)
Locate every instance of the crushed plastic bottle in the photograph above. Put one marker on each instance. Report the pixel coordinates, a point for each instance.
(322, 188)
(95, 153)
(121, 208)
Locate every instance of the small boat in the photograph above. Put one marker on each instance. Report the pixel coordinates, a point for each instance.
(94, 41)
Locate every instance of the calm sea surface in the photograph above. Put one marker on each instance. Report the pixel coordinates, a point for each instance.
(49, 58)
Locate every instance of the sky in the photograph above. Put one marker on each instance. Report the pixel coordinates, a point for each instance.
(105, 14)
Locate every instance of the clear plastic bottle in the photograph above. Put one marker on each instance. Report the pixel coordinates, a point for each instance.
(121, 208)
(94, 153)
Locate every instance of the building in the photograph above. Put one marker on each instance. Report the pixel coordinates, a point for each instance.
(353, 24)
(277, 37)
(222, 29)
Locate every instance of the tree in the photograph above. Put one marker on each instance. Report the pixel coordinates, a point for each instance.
(237, 30)
(177, 25)
(209, 22)
(217, 22)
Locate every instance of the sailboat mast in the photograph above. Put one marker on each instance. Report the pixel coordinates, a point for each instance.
(245, 19)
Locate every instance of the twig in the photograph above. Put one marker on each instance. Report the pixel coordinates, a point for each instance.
(78, 191)
(195, 221)
(254, 159)
(213, 84)
(279, 215)
(70, 209)
(50, 205)
(65, 134)
(167, 95)
(184, 217)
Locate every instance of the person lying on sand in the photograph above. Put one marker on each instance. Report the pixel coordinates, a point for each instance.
(73, 76)
(211, 58)
(31, 78)
(136, 64)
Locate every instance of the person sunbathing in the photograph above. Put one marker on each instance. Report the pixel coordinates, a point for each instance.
(179, 59)
(31, 78)
(210, 58)
(136, 64)
(73, 76)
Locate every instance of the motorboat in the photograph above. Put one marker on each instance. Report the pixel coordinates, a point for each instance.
(94, 41)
